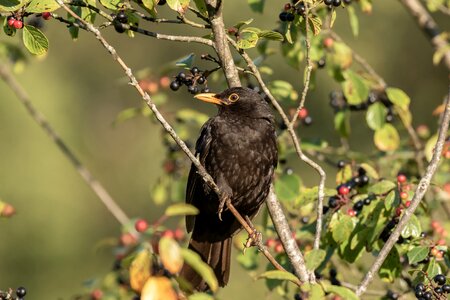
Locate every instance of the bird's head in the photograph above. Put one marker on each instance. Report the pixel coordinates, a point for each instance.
(240, 101)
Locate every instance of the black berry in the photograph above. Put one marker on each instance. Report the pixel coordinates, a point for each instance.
(119, 27)
(193, 89)
(438, 290)
(358, 205)
(336, 3)
(305, 220)
(347, 2)
(439, 279)
(333, 273)
(307, 120)
(298, 297)
(341, 164)
(201, 80)
(328, 2)
(325, 209)
(195, 70)
(290, 17)
(333, 202)
(21, 292)
(122, 17)
(364, 180)
(446, 288)
(206, 90)
(427, 295)
(389, 118)
(174, 85)
(181, 76)
(419, 287)
(391, 295)
(162, 2)
(283, 16)
(321, 63)
(419, 294)
(367, 201)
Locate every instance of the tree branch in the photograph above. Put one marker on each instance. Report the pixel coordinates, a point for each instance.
(421, 189)
(429, 26)
(39, 118)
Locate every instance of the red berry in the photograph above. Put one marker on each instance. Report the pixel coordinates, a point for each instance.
(7, 211)
(287, 6)
(447, 154)
(270, 242)
(168, 233)
(404, 195)
(435, 224)
(278, 248)
(96, 294)
(11, 22)
(408, 203)
(328, 42)
(18, 24)
(127, 239)
(398, 211)
(46, 15)
(343, 190)
(302, 113)
(179, 234)
(141, 225)
(401, 178)
(351, 212)
(441, 242)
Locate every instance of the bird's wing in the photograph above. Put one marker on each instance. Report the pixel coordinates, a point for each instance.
(195, 182)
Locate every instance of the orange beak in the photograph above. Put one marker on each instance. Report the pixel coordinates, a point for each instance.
(209, 97)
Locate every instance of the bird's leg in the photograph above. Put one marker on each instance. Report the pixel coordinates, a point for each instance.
(224, 200)
(254, 238)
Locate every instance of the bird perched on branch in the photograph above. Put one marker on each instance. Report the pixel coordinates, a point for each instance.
(238, 149)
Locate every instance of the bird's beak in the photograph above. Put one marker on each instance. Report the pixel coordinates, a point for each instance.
(209, 97)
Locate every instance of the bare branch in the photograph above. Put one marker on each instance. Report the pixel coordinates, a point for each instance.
(429, 26)
(421, 189)
(39, 118)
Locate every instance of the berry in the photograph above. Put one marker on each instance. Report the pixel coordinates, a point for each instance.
(304, 220)
(162, 2)
(328, 2)
(122, 17)
(408, 203)
(119, 27)
(333, 202)
(391, 295)
(301, 9)
(419, 287)
(364, 180)
(404, 195)
(389, 118)
(398, 211)
(423, 234)
(201, 80)
(18, 24)
(341, 164)
(336, 3)
(307, 121)
(351, 212)
(391, 224)
(96, 294)
(358, 205)
(446, 288)
(419, 294)
(427, 295)
(283, 16)
(278, 248)
(441, 242)
(434, 252)
(174, 85)
(271, 242)
(46, 15)
(438, 290)
(179, 234)
(287, 6)
(193, 89)
(328, 42)
(347, 2)
(321, 63)
(21, 292)
(325, 209)
(290, 17)
(440, 279)
(367, 201)
(401, 178)
(181, 76)
(195, 70)
(343, 190)
(303, 113)
(206, 90)
(141, 225)
(168, 234)
(333, 273)
(298, 297)
(11, 21)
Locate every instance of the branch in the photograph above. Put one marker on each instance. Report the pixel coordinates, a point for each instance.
(200, 169)
(96, 186)
(421, 189)
(429, 26)
(220, 42)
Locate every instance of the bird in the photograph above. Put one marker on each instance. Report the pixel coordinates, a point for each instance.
(238, 149)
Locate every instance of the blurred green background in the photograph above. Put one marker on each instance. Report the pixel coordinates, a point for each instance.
(50, 245)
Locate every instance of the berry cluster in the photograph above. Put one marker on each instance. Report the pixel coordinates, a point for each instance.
(275, 244)
(153, 86)
(15, 23)
(192, 81)
(290, 10)
(20, 293)
(435, 289)
(334, 3)
(120, 19)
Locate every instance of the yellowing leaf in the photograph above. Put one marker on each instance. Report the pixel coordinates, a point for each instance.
(169, 252)
(387, 138)
(158, 288)
(140, 270)
(181, 209)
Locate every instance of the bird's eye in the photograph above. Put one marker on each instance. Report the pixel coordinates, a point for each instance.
(233, 97)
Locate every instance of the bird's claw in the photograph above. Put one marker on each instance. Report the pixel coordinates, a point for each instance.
(221, 206)
(254, 239)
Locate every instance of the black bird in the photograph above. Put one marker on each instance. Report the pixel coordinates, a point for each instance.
(238, 149)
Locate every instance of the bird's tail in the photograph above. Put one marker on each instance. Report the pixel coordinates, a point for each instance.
(215, 254)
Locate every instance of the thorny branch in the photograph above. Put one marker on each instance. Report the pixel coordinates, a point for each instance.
(419, 193)
(96, 186)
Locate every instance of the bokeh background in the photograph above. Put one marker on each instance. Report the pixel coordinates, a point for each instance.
(52, 245)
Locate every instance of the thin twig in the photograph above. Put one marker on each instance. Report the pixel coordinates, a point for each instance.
(368, 292)
(200, 169)
(39, 118)
(421, 189)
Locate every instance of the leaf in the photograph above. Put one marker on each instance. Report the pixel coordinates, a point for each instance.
(398, 97)
(186, 62)
(111, 4)
(191, 116)
(242, 23)
(345, 174)
(282, 90)
(11, 5)
(429, 146)
(159, 191)
(392, 200)
(376, 116)
(315, 24)
(278, 275)
(342, 55)
(34, 40)
(256, 5)
(179, 6)
(344, 292)
(149, 4)
(308, 195)
(370, 170)
(433, 268)
(314, 258)
(355, 89)
(271, 35)
(181, 209)
(412, 228)
(247, 39)
(127, 114)
(417, 254)
(39, 6)
(170, 254)
(382, 187)
(158, 288)
(391, 267)
(287, 187)
(200, 296)
(439, 54)
(140, 270)
(342, 228)
(333, 18)
(342, 123)
(201, 7)
(204, 270)
(386, 138)
(353, 18)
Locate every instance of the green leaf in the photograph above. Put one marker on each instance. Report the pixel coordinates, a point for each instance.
(398, 97)
(376, 116)
(412, 228)
(283, 90)
(278, 275)
(392, 200)
(333, 18)
(11, 5)
(429, 146)
(127, 114)
(353, 18)
(191, 116)
(181, 209)
(308, 195)
(242, 23)
(287, 187)
(159, 191)
(204, 270)
(341, 228)
(149, 4)
(354, 87)
(314, 258)
(370, 170)
(433, 268)
(391, 267)
(200, 296)
(179, 6)
(186, 62)
(342, 56)
(39, 6)
(201, 7)
(344, 292)
(417, 254)
(342, 123)
(247, 39)
(344, 174)
(256, 5)
(34, 40)
(315, 24)
(271, 35)
(382, 187)
(386, 138)
(111, 4)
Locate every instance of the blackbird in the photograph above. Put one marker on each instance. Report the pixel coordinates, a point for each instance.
(238, 149)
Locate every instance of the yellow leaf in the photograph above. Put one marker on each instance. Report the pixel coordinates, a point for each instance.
(158, 288)
(169, 252)
(140, 270)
